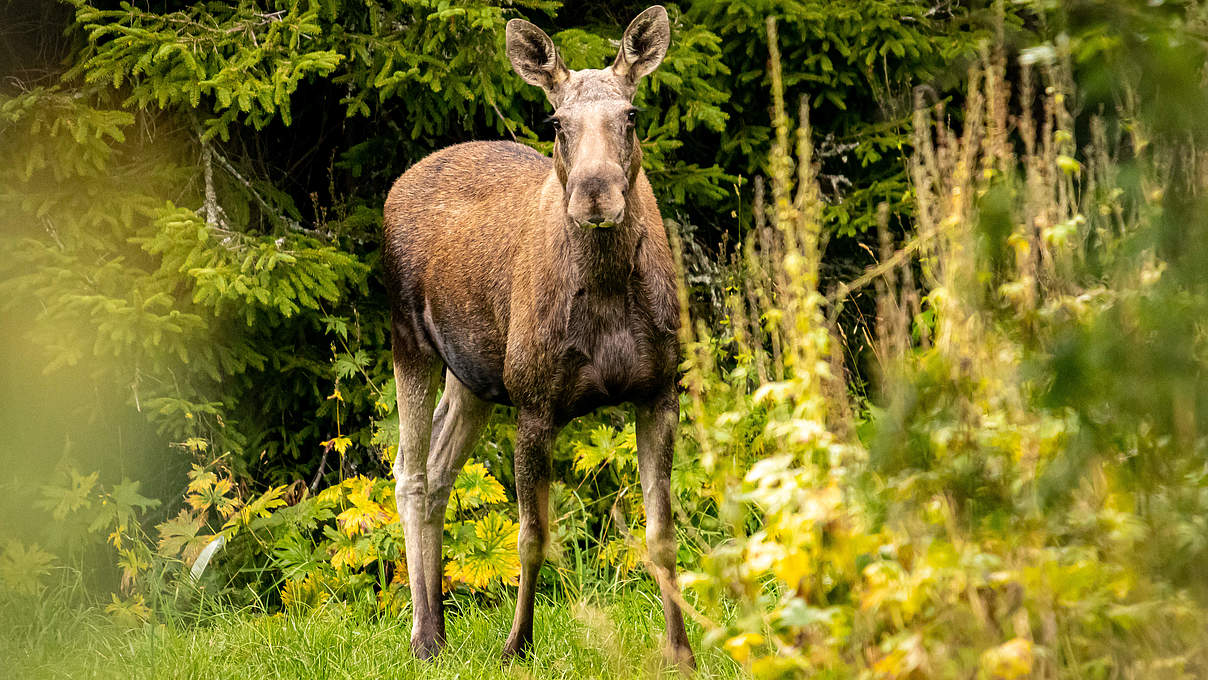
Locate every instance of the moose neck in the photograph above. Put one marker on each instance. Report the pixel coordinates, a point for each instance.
(602, 260)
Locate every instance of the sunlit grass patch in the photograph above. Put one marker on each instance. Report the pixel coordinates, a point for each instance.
(613, 637)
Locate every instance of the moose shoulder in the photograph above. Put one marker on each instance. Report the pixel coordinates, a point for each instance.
(543, 283)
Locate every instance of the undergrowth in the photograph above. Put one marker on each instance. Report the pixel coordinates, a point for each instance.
(606, 635)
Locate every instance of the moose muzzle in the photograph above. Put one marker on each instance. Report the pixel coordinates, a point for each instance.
(597, 196)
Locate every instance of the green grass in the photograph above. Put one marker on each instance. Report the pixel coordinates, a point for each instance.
(613, 637)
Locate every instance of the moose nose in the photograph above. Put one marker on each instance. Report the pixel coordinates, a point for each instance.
(596, 200)
(601, 221)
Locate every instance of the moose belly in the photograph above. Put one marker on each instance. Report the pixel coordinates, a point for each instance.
(480, 374)
(469, 353)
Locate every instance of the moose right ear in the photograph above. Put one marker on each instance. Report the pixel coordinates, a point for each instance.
(534, 57)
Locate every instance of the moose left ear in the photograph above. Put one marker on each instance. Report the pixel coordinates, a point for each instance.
(643, 46)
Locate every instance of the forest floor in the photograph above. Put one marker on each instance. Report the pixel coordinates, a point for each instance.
(617, 636)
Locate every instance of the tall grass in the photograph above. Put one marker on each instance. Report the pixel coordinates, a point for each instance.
(980, 518)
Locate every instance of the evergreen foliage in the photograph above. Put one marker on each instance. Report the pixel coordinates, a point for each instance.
(226, 271)
(858, 62)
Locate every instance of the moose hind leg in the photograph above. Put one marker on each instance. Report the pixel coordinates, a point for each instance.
(534, 433)
(414, 379)
(656, 425)
(459, 419)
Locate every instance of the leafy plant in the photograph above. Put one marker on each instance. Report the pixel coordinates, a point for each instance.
(966, 529)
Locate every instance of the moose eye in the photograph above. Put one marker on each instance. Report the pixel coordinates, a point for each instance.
(632, 116)
(554, 123)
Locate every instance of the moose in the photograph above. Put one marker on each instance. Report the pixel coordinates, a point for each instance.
(545, 284)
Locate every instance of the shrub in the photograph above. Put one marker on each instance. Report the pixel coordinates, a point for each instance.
(969, 525)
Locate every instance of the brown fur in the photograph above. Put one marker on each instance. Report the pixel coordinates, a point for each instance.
(495, 271)
(486, 277)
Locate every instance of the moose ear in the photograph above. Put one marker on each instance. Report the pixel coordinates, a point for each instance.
(534, 57)
(644, 45)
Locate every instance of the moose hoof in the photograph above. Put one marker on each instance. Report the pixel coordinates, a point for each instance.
(426, 647)
(682, 658)
(515, 649)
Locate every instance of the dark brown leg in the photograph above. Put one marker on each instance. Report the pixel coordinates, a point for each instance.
(656, 426)
(460, 417)
(534, 434)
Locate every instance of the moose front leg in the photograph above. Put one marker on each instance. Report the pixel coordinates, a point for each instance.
(534, 433)
(656, 426)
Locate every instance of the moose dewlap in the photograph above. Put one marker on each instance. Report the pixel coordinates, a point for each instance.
(543, 283)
